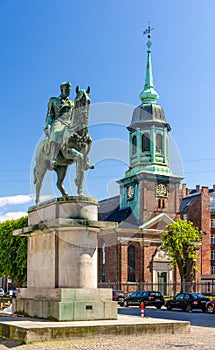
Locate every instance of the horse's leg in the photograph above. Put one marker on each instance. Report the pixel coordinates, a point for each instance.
(85, 152)
(79, 175)
(61, 173)
(74, 152)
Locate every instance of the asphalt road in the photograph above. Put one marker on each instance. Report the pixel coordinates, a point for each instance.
(196, 317)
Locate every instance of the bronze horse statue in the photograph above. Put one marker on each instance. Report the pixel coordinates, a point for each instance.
(74, 148)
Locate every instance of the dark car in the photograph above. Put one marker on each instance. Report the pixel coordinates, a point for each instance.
(188, 302)
(210, 306)
(149, 298)
(10, 293)
(119, 296)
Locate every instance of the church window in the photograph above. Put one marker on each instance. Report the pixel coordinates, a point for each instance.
(145, 143)
(159, 203)
(101, 260)
(134, 144)
(159, 142)
(131, 263)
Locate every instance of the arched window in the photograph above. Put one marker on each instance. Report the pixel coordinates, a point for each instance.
(131, 263)
(159, 142)
(101, 254)
(134, 144)
(145, 143)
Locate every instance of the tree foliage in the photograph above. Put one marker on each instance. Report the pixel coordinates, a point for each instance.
(13, 250)
(180, 240)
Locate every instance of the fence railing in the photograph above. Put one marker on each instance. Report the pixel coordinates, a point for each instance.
(167, 289)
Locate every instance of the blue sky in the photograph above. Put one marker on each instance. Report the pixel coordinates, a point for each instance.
(100, 43)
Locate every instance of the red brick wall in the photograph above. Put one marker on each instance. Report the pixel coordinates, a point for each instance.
(148, 255)
(205, 227)
(199, 213)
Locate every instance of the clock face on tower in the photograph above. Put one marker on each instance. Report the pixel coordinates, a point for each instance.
(130, 193)
(161, 190)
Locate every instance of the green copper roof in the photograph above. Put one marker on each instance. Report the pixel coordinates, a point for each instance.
(148, 95)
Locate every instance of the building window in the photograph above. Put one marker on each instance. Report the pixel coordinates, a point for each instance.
(184, 216)
(146, 143)
(159, 142)
(212, 254)
(212, 239)
(212, 202)
(131, 263)
(213, 270)
(212, 222)
(102, 260)
(134, 144)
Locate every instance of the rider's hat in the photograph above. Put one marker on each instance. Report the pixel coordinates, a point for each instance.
(65, 83)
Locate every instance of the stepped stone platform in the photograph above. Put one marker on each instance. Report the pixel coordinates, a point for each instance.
(28, 330)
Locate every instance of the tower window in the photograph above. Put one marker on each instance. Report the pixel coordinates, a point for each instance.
(131, 263)
(134, 144)
(159, 142)
(145, 143)
(161, 203)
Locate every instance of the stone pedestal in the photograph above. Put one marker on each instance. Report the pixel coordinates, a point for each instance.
(62, 262)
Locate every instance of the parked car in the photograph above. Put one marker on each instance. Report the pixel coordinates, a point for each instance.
(149, 298)
(188, 302)
(210, 306)
(10, 293)
(119, 296)
(1, 292)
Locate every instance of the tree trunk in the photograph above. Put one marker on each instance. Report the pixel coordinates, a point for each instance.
(186, 274)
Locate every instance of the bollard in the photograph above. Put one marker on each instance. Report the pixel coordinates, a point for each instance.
(142, 309)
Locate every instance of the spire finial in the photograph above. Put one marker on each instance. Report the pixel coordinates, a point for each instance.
(148, 95)
(148, 32)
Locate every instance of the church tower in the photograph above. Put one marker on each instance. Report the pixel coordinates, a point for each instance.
(149, 187)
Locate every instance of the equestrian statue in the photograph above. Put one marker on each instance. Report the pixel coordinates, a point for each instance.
(67, 139)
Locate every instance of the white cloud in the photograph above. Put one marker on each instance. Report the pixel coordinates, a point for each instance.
(14, 200)
(12, 215)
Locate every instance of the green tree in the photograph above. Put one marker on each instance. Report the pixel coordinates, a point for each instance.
(13, 250)
(180, 241)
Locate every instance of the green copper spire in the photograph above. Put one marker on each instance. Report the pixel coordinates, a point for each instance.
(148, 95)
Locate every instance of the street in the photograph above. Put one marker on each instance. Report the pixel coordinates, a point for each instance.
(196, 318)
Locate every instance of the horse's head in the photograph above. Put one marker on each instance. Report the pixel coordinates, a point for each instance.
(82, 99)
(81, 109)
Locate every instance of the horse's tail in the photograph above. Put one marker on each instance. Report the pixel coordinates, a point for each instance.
(35, 174)
(40, 150)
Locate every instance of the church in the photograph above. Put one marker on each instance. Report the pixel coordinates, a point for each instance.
(130, 258)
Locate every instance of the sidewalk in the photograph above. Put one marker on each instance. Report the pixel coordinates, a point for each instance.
(200, 338)
(35, 330)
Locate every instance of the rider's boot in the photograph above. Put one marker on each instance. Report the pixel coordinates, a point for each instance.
(54, 150)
